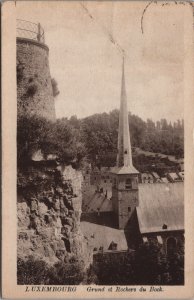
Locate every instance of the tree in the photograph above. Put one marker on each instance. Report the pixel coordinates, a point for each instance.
(60, 138)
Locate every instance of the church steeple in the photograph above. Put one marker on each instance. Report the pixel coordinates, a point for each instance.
(124, 175)
(124, 155)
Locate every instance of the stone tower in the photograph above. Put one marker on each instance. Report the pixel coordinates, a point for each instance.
(34, 88)
(125, 176)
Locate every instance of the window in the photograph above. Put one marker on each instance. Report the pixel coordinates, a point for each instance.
(129, 209)
(128, 184)
(171, 245)
(113, 246)
(159, 238)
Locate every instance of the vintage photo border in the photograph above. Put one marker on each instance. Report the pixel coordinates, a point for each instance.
(10, 289)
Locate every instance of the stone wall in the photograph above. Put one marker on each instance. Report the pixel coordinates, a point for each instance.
(34, 88)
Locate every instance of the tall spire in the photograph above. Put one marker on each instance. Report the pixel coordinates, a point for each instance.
(124, 155)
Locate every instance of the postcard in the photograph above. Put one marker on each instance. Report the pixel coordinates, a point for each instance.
(97, 149)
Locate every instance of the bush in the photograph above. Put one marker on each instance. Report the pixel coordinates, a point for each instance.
(32, 89)
(60, 138)
(32, 271)
(37, 272)
(67, 273)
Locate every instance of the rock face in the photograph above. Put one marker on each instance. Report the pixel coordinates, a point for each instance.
(49, 210)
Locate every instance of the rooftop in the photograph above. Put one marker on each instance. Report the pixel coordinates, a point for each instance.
(161, 204)
(102, 236)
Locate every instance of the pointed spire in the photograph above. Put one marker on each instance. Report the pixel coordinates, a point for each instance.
(124, 155)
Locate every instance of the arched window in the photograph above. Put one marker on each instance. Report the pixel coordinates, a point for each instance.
(171, 245)
(128, 184)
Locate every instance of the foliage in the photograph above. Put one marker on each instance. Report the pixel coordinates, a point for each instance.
(114, 269)
(149, 265)
(150, 262)
(67, 273)
(60, 138)
(54, 87)
(32, 89)
(100, 133)
(32, 271)
(95, 137)
(19, 71)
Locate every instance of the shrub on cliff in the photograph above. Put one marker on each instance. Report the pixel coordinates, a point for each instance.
(32, 271)
(67, 273)
(60, 138)
(54, 87)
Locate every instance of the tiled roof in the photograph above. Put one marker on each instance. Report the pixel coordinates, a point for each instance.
(102, 236)
(161, 204)
(95, 201)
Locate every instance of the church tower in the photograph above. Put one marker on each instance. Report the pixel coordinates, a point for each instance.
(125, 176)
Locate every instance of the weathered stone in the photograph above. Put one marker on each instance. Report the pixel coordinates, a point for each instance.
(23, 235)
(42, 208)
(60, 254)
(57, 204)
(23, 215)
(34, 205)
(49, 229)
(33, 58)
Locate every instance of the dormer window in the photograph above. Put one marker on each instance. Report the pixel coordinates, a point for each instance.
(128, 184)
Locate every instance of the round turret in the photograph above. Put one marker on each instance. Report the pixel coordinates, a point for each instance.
(34, 87)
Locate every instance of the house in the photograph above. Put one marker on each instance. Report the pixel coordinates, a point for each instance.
(181, 175)
(173, 177)
(155, 176)
(146, 178)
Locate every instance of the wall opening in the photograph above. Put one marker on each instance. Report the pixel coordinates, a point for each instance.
(128, 184)
(171, 245)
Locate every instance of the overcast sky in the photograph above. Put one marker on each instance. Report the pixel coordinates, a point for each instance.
(87, 64)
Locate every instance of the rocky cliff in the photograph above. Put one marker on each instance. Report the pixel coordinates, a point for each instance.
(49, 210)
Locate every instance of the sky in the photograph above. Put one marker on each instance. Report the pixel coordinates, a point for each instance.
(85, 41)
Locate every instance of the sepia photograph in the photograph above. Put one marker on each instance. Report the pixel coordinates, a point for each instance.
(100, 144)
(97, 165)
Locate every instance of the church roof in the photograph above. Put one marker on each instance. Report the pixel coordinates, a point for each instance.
(102, 236)
(161, 204)
(124, 170)
(94, 202)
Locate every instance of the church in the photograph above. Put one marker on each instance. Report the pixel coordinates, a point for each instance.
(131, 212)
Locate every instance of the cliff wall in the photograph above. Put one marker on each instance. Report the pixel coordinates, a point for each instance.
(49, 210)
